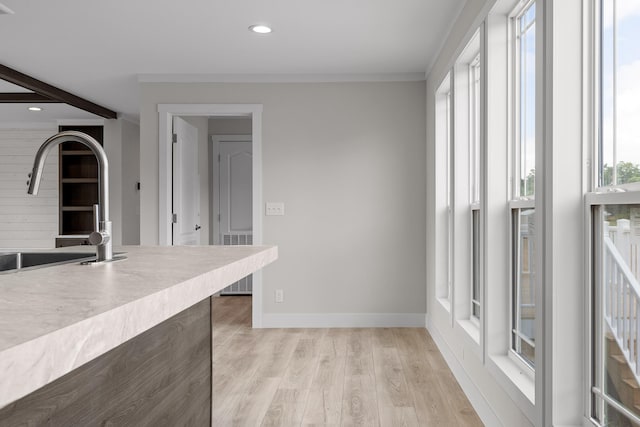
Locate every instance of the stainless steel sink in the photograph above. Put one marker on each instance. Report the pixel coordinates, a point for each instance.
(15, 261)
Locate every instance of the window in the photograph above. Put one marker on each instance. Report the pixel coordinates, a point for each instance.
(466, 180)
(444, 138)
(474, 150)
(619, 150)
(474, 128)
(615, 215)
(475, 263)
(523, 301)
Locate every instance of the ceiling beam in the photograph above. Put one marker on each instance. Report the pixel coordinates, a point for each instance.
(52, 92)
(24, 97)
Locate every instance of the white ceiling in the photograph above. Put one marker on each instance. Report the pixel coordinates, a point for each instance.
(97, 50)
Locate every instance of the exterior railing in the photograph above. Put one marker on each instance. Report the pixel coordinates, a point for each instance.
(622, 293)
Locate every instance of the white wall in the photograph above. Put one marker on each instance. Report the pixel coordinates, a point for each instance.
(130, 180)
(27, 221)
(348, 161)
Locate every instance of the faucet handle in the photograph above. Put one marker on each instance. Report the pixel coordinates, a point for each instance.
(99, 238)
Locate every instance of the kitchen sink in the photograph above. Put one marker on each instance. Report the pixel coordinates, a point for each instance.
(15, 261)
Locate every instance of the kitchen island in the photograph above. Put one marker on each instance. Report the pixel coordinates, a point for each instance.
(107, 318)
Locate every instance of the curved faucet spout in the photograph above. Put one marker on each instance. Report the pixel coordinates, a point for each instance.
(101, 237)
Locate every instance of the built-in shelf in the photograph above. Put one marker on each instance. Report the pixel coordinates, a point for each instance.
(78, 187)
(77, 153)
(77, 208)
(79, 180)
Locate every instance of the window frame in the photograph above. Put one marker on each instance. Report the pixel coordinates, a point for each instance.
(444, 124)
(475, 126)
(597, 196)
(596, 40)
(475, 300)
(517, 202)
(519, 10)
(467, 144)
(475, 179)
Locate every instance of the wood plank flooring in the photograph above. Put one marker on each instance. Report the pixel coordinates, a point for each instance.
(329, 377)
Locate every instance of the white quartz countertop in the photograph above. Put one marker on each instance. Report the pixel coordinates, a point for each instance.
(55, 319)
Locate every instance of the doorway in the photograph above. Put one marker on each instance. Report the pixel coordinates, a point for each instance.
(254, 112)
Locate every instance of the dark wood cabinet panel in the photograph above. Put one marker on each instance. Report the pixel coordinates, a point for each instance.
(63, 242)
(162, 377)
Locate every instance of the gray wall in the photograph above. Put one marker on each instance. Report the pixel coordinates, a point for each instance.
(130, 179)
(348, 161)
(122, 145)
(233, 126)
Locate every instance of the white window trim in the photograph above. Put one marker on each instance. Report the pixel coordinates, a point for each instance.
(451, 188)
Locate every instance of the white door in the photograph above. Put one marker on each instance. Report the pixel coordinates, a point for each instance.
(186, 184)
(236, 181)
(235, 199)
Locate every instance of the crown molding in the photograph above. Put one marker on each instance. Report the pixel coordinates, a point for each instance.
(280, 78)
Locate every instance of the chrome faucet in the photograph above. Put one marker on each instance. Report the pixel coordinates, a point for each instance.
(101, 236)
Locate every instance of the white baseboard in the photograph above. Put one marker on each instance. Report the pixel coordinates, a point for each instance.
(343, 320)
(473, 393)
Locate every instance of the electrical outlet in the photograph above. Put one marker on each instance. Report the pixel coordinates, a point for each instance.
(274, 208)
(279, 295)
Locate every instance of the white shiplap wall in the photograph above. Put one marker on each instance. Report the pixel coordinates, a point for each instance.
(27, 221)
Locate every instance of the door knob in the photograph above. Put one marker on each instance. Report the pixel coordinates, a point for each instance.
(198, 227)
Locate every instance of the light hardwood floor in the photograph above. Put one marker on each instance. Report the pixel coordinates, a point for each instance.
(329, 377)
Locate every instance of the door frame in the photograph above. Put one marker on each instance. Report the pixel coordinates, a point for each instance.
(214, 149)
(165, 119)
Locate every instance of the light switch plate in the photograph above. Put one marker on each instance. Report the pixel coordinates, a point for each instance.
(274, 208)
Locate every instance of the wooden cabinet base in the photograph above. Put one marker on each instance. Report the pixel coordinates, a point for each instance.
(159, 378)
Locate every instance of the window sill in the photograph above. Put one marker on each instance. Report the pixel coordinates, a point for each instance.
(471, 328)
(517, 383)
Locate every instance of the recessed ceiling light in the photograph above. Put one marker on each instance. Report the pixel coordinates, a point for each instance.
(35, 109)
(260, 29)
